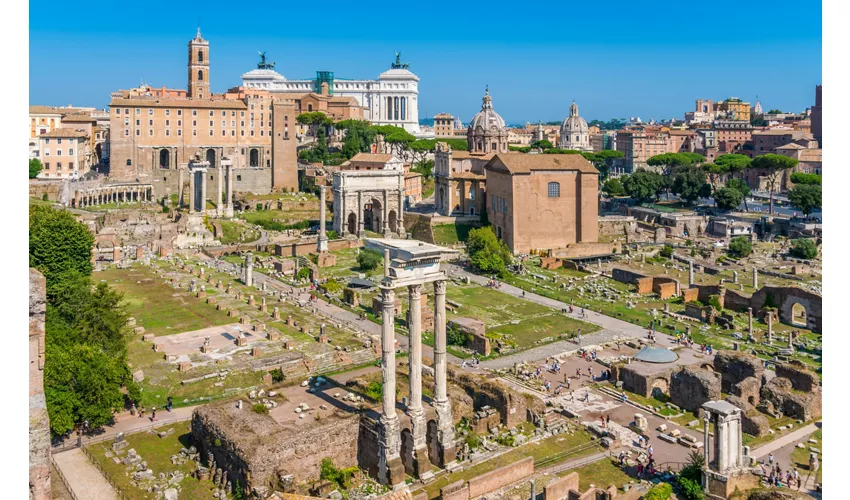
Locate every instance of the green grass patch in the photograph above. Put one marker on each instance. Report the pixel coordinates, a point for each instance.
(234, 232)
(600, 474)
(800, 456)
(449, 234)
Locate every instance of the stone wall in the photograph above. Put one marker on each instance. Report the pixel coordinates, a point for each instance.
(692, 387)
(690, 294)
(560, 488)
(512, 405)
(53, 189)
(785, 298)
(802, 379)
(39, 438)
(736, 366)
(501, 477)
(254, 449)
(616, 225)
(245, 180)
(295, 249)
(583, 250)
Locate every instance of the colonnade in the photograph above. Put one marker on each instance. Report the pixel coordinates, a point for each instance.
(129, 193)
(390, 466)
(198, 173)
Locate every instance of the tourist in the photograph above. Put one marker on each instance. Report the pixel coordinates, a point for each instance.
(623, 397)
(586, 396)
(770, 459)
(133, 409)
(568, 380)
(602, 418)
(650, 449)
(141, 411)
(153, 414)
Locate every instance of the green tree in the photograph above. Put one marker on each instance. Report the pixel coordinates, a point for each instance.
(775, 111)
(735, 165)
(369, 259)
(643, 185)
(303, 273)
(714, 172)
(486, 252)
(740, 247)
(804, 248)
(315, 120)
(775, 166)
(666, 251)
(689, 184)
(58, 243)
(603, 161)
(661, 491)
(35, 167)
(541, 144)
(613, 187)
(424, 167)
(802, 178)
(806, 197)
(359, 136)
(728, 198)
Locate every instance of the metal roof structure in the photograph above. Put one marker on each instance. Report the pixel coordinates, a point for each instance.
(656, 355)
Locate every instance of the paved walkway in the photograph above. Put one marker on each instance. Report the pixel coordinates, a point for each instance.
(789, 438)
(84, 479)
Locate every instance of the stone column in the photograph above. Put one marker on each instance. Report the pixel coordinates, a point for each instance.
(361, 224)
(755, 278)
(445, 427)
(690, 273)
(390, 467)
(219, 210)
(750, 320)
(249, 269)
(770, 327)
(192, 180)
(204, 191)
(385, 218)
(179, 187)
(706, 443)
(414, 405)
(323, 237)
(721, 443)
(229, 207)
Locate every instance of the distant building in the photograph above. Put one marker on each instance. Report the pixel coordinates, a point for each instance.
(66, 153)
(575, 134)
(542, 201)
(459, 181)
(392, 99)
(444, 125)
(733, 109)
(369, 194)
(487, 132)
(817, 116)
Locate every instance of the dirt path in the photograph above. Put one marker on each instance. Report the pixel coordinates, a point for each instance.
(84, 479)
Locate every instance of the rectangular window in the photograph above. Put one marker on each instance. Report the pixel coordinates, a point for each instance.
(194, 132)
(179, 123)
(233, 133)
(211, 134)
(224, 123)
(150, 111)
(194, 112)
(167, 112)
(242, 133)
(126, 132)
(179, 132)
(138, 111)
(126, 111)
(242, 114)
(117, 111)
(167, 132)
(211, 123)
(58, 152)
(211, 113)
(224, 113)
(150, 123)
(71, 152)
(46, 151)
(194, 123)
(232, 123)
(242, 123)
(223, 133)
(179, 112)
(58, 165)
(167, 123)
(126, 122)
(150, 132)
(59, 141)
(47, 166)
(71, 165)
(138, 122)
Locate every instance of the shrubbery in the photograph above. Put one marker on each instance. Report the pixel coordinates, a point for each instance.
(369, 259)
(740, 247)
(804, 248)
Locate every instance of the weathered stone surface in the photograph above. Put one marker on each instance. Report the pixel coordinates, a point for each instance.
(691, 387)
(793, 403)
(802, 379)
(39, 425)
(749, 390)
(735, 366)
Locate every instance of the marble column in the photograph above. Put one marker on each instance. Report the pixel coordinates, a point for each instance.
(385, 230)
(192, 180)
(179, 188)
(706, 439)
(770, 327)
(204, 191)
(361, 224)
(219, 210)
(414, 405)
(721, 443)
(249, 269)
(323, 236)
(750, 320)
(229, 208)
(755, 278)
(442, 406)
(390, 467)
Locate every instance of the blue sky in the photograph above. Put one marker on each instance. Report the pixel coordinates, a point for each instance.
(616, 59)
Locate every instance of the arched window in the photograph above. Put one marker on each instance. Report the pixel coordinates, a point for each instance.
(309, 107)
(129, 162)
(201, 75)
(200, 56)
(554, 190)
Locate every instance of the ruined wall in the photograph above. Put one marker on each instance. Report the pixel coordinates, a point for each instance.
(53, 189)
(245, 180)
(736, 366)
(691, 387)
(690, 294)
(254, 449)
(625, 276)
(616, 225)
(501, 477)
(39, 438)
(583, 250)
(560, 488)
(512, 405)
(785, 298)
(640, 383)
(664, 289)
(802, 379)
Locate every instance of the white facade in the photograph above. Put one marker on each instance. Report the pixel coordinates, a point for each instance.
(392, 99)
(575, 133)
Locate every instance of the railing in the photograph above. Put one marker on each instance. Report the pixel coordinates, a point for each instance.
(63, 478)
(118, 491)
(59, 448)
(552, 459)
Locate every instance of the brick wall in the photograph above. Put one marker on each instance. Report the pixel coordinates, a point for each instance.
(39, 438)
(560, 488)
(501, 477)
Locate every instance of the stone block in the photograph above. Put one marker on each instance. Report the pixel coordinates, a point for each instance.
(256, 352)
(259, 327)
(241, 341)
(326, 260)
(184, 366)
(139, 330)
(211, 300)
(148, 337)
(273, 336)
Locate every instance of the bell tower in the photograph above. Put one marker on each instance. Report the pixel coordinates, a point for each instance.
(199, 67)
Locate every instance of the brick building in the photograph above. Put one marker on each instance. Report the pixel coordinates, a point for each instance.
(542, 201)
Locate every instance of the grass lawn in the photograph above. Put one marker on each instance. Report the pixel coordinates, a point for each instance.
(540, 450)
(498, 310)
(601, 474)
(156, 306)
(428, 187)
(800, 456)
(157, 453)
(305, 214)
(234, 232)
(754, 442)
(449, 234)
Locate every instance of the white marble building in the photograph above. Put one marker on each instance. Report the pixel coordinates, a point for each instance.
(574, 132)
(392, 99)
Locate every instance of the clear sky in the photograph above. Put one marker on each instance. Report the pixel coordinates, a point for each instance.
(616, 59)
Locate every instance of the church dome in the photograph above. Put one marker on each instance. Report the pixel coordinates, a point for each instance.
(487, 118)
(574, 123)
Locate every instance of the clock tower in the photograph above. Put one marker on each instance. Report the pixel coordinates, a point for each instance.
(199, 67)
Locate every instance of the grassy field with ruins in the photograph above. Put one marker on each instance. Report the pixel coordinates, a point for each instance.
(451, 234)
(157, 452)
(157, 306)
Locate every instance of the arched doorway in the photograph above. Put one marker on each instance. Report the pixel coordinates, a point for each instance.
(372, 213)
(352, 224)
(211, 158)
(660, 387)
(407, 452)
(798, 315)
(392, 220)
(164, 158)
(432, 441)
(254, 158)
(471, 210)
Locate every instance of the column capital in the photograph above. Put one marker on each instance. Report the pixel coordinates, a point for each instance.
(440, 287)
(415, 290)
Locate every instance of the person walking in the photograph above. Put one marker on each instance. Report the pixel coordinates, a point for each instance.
(153, 414)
